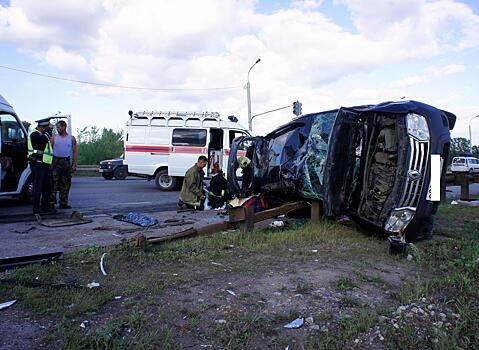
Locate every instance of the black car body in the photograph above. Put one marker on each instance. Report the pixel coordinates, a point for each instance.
(372, 162)
(113, 168)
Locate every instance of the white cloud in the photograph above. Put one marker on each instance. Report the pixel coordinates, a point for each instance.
(213, 43)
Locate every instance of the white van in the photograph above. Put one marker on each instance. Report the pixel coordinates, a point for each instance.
(15, 174)
(164, 145)
(465, 165)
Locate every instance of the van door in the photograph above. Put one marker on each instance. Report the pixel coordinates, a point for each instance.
(187, 144)
(232, 134)
(215, 151)
(13, 152)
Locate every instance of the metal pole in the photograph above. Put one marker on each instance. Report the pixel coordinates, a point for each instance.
(248, 93)
(250, 120)
(470, 133)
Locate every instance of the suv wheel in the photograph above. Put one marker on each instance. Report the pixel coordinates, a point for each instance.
(107, 176)
(120, 173)
(164, 182)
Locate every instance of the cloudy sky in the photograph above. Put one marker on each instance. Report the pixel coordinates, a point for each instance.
(326, 54)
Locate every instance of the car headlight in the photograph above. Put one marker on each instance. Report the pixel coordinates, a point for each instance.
(417, 126)
(399, 219)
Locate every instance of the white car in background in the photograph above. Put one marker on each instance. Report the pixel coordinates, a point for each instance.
(465, 165)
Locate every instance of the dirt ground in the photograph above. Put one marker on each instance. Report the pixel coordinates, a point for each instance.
(233, 291)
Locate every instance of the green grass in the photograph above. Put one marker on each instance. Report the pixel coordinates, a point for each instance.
(344, 284)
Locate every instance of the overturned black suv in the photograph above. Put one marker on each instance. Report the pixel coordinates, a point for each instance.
(372, 162)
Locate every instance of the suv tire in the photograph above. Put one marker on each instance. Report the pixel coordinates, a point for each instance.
(120, 173)
(164, 182)
(107, 176)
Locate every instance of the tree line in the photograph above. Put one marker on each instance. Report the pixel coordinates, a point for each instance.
(95, 145)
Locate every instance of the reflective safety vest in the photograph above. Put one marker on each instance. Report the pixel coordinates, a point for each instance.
(47, 152)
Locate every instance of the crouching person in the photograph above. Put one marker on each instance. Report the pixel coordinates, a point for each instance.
(218, 191)
(192, 195)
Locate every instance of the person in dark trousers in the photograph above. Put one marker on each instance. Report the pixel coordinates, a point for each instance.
(64, 150)
(40, 158)
(192, 195)
(218, 195)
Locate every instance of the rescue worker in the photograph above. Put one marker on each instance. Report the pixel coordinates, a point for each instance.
(64, 149)
(245, 165)
(217, 190)
(192, 195)
(40, 157)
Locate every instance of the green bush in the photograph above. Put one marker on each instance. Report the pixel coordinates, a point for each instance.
(94, 146)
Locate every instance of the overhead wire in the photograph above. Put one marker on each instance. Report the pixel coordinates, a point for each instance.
(118, 86)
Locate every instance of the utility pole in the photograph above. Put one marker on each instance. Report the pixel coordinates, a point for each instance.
(248, 94)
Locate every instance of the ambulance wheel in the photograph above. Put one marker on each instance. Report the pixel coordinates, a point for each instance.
(164, 182)
(107, 176)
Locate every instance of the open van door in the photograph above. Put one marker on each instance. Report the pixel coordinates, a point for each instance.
(215, 151)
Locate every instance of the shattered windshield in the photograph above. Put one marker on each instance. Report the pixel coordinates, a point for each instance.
(313, 170)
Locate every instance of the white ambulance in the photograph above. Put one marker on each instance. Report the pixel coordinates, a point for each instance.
(163, 145)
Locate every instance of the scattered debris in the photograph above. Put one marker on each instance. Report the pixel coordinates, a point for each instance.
(297, 323)
(343, 219)
(8, 263)
(454, 203)
(277, 223)
(30, 229)
(84, 324)
(474, 203)
(231, 292)
(220, 321)
(93, 285)
(217, 264)
(102, 266)
(409, 257)
(309, 320)
(118, 297)
(7, 304)
(396, 245)
(137, 219)
(76, 218)
(140, 241)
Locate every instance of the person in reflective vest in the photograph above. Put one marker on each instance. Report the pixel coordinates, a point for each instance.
(40, 157)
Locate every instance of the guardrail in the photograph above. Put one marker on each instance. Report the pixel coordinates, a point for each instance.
(87, 168)
(463, 180)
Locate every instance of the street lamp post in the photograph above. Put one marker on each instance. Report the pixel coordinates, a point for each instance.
(248, 93)
(470, 133)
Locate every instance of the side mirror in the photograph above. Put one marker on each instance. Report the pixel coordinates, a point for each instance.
(130, 113)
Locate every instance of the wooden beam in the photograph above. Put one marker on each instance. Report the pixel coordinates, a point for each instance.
(463, 180)
(248, 224)
(316, 212)
(282, 210)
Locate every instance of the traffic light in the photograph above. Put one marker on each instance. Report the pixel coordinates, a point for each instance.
(297, 108)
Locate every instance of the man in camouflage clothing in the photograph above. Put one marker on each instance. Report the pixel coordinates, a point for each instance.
(64, 147)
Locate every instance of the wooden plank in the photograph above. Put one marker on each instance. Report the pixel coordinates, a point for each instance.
(248, 224)
(282, 210)
(236, 214)
(463, 180)
(204, 230)
(316, 212)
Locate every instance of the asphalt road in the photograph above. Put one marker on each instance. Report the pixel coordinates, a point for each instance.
(95, 195)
